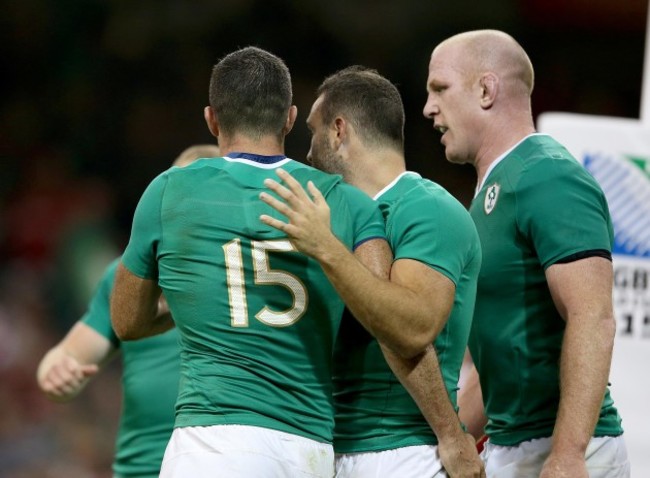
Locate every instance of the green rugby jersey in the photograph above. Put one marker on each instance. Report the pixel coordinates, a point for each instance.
(537, 206)
(150, 373)
(257, 319)
(373, 410)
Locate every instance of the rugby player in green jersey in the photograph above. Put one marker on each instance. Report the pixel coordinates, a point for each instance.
(256, 318)
(147, 413)
(357, 125)
(543, 329)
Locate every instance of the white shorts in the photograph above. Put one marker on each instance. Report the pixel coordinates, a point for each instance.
(420, 461)
(606, 457)
(238, 451)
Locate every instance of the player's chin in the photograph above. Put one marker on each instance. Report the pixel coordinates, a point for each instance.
(455, 156)
(451, 156)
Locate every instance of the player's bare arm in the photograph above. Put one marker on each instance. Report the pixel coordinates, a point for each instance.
(470, 399)
(405, 313)
(422, 378)
(582, 292)
(134, 307)
(66, 368)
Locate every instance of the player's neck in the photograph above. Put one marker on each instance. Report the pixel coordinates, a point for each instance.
(377, 170)
(500, 140)
(265, 146)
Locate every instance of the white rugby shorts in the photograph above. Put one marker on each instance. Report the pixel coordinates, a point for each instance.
(606, 457)
(239, 451)
(421, 461)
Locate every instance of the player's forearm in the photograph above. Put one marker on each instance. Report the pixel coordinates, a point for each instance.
(395, 315)
(584, 371)
(422, 378)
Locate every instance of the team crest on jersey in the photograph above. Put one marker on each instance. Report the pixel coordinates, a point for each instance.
(491, 196)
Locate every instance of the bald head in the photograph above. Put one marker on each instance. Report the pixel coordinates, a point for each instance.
(194, 152)
(479, 95)
(494, 51)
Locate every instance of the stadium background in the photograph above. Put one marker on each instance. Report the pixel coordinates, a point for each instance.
(100, 96)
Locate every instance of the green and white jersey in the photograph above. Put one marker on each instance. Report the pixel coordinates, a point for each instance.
(537, 206)
(373, 411)
(257, 319)
(150, 373)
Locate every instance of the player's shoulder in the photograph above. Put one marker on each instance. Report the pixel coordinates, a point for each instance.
(183, 180)
(331, 186)
(195, 166)
(540, 159)
(543, 155)
(427, 195)
(303, 173)
(423, 203)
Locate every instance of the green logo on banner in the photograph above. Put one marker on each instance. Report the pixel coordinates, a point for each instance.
(642, 163)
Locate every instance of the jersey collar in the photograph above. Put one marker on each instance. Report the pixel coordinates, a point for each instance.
(499, 159)
(394, 182)
(258, 160)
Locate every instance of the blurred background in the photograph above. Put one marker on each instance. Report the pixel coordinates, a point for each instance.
(100, 96)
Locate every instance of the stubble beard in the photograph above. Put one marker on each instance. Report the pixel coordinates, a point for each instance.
(326, 159)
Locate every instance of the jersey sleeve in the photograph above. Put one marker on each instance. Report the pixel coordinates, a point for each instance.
(367, 221)
(146, 232)
(562, 211)
(435, 232)
(97, 315)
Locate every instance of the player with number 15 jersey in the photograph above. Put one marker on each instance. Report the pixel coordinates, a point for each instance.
(257, 319)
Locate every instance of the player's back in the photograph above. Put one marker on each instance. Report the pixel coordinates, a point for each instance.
(257, 319)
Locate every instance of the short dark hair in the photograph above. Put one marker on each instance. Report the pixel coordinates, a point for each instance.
(369, 101)
(250, 92)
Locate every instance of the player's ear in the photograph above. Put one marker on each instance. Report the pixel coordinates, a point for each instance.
(341, 131)
(211, 120)
(489, 83)
(291, 119)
